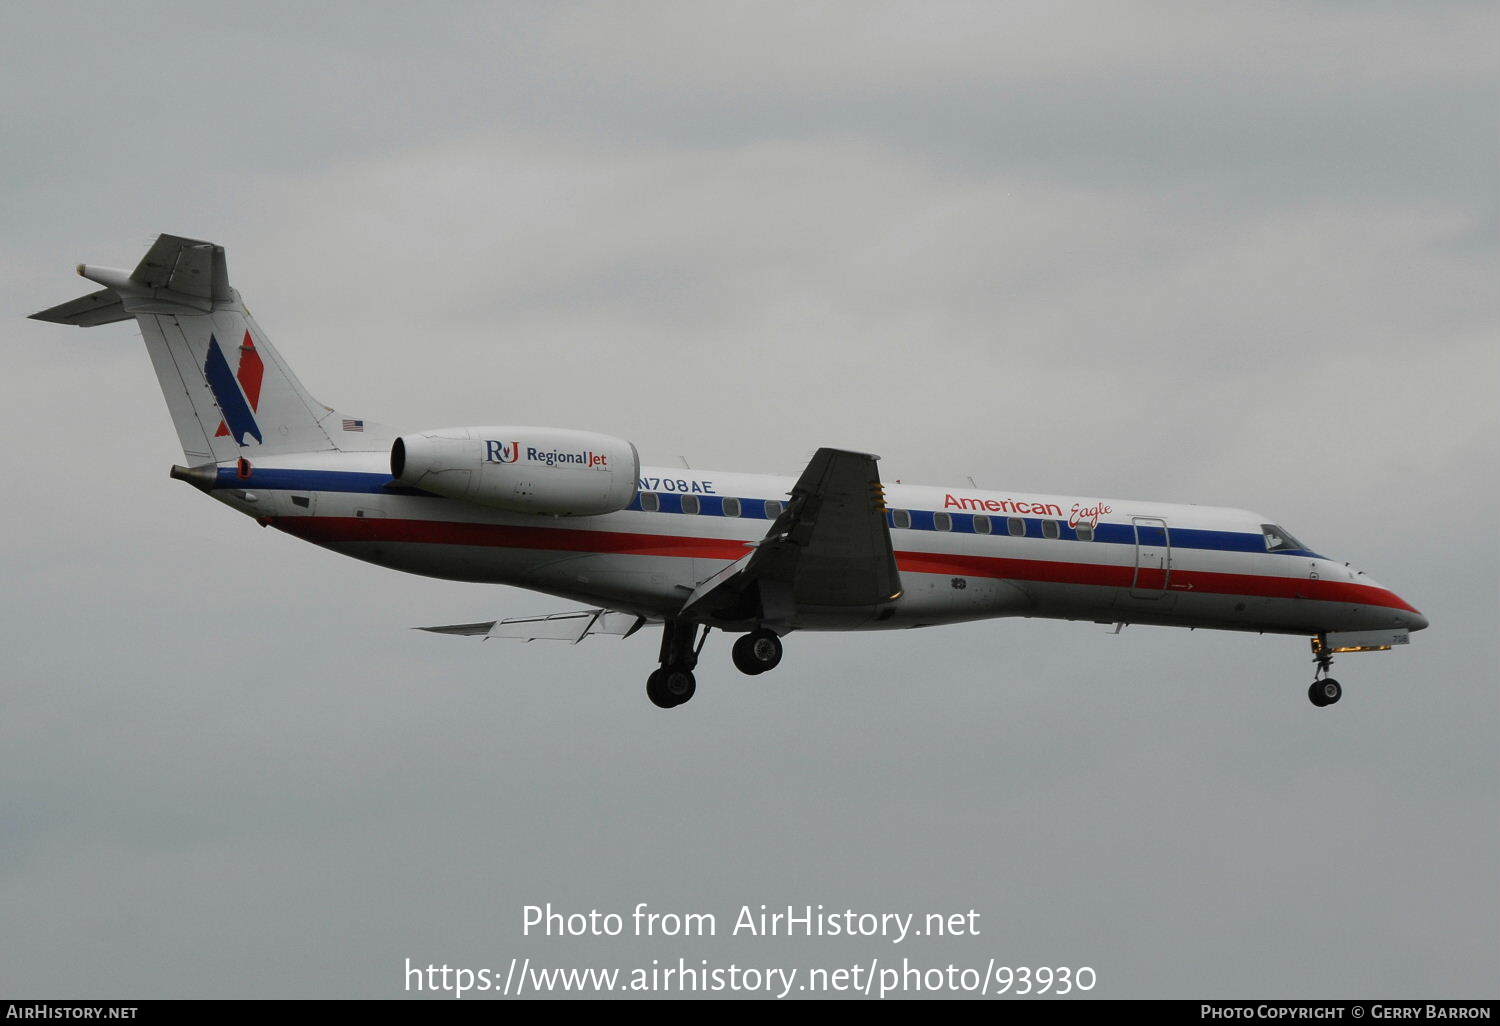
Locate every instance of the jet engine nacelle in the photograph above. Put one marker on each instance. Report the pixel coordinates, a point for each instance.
(522, 469)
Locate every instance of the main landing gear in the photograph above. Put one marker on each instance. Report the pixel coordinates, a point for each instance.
(681, 641)
(1324, 690)
(674, 683)
(757, 652)
(670, 686)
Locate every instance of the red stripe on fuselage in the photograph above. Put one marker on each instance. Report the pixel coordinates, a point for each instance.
(330, 530)
(1116, 576)
(335, 530)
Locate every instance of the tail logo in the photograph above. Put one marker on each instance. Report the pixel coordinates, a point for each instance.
(237, 393)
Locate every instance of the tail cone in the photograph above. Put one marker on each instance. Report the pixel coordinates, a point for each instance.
(202, 478)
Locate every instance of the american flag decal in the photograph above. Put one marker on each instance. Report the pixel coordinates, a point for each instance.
(353, 425)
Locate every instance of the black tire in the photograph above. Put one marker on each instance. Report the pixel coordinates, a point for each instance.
(744, 659)
(678, 684)
(1322, 693)
(656, 690)
(757, 652)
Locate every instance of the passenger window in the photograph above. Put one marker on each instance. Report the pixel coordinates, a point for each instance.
(942, 521)
(650, 502)
(981, 524)
(690, 504)
(901, 518)
(1051, 529)
(773, 509)
(1016, 526)
(1085, 532)
(731, 507)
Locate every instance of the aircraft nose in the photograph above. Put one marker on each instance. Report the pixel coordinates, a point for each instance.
(1391, 605)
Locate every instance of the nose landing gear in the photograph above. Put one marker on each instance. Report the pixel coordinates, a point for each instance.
(1324, 690)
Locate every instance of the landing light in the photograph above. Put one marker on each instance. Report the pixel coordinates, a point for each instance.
(1363, 641)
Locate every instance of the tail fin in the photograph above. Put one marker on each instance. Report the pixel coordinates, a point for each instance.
(228, 390)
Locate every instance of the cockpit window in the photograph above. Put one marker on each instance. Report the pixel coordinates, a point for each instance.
(1279, 539)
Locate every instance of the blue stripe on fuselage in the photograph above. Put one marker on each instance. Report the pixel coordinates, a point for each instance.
(755, 509)
(315, 481)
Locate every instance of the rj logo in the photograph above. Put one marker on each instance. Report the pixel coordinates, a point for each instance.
(501, 452)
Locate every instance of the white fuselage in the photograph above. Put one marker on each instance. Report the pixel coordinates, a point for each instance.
(573, 513)
(963, 554)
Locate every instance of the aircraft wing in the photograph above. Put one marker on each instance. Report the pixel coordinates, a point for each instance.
(831, 546)
(572, 627)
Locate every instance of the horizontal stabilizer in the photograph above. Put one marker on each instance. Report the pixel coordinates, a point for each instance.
(102, 307)
(175, 273)
(572, 627)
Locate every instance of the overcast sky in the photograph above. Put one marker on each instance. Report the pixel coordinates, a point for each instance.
(1234, 254)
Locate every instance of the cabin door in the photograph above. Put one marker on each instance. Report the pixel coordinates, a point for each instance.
(1153, 558)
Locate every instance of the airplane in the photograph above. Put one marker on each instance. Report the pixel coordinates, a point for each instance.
(574, 514)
